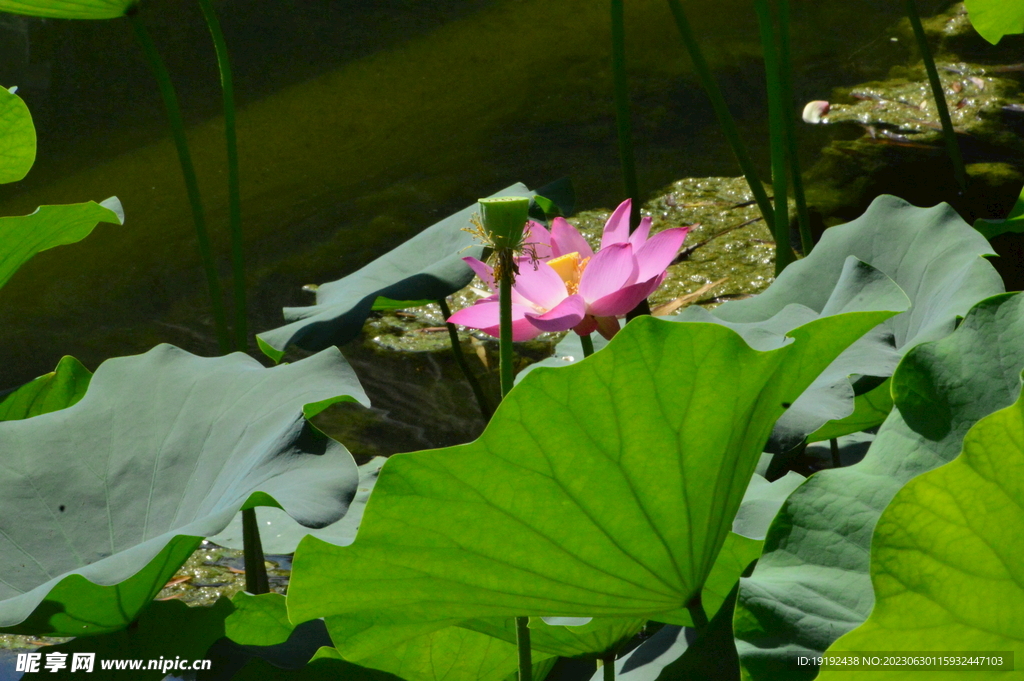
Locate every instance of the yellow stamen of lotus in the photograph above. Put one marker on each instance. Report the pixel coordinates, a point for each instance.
(570, 268)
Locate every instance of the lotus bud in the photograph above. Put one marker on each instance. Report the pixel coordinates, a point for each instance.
(814, 111)
(504, 219)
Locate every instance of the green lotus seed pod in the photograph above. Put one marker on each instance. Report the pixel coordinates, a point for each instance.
(504, 219)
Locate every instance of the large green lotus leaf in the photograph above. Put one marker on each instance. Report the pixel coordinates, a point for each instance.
(23, 236)
(995, 18)
(450, 653)
(931, 253)
(428, 266)
(17, 137)
(668, 420)
(603, 634)
(101, 502)
(946, 556)
(280, 534)
(68, 9)
(812, 582)
(591, 638)
(157, 633)
(59, 389)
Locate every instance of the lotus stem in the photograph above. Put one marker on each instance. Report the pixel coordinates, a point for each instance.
(256, 581)
(789, 116)
(697, 614)
(837, 462)
(624, 129)
(587, 342)
(777, 124)
(505, 357)
(523, 644)
(940, 97)
(188, 172)
(608, 664)
(234, 193)
(460, 359)
(623, 125)
(725, 119)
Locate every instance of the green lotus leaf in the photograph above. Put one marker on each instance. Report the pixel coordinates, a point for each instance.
(442, 653)
(761, 502)
(69, 9)
(591, 639)
(869, 410)
(427, 267)
(931, 253)
(450, 653)
(157, 633)
(17, 138)
(1014, 222)
(945, 556)
(280, 534)
(258, 620)
(59, 389)
(518, 522)
(22, 237)
(812, 582)
(103, 501)
(995, 18)
(831, 396)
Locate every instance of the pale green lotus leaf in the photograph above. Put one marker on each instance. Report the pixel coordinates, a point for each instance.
(101, 502)
(280, 534)
(428, 266)
(946, 557)
(869, 410)
(812, 583)
(931, 253)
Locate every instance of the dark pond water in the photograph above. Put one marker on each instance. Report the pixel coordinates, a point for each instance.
(360, 123)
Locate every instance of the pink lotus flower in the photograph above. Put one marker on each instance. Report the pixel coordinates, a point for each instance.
(564, 285)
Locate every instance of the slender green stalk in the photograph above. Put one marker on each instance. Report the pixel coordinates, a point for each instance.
(725, 119)
(777, 125)
(623, 125)
(188, 172)
(789, 118)
(834, 446)
(505, 361)
(525, 652)
(256, 581)
(940, 96)
(234, 193)
(624, 129)
(608, 667)
(697, 614)
(460, 359)
(588, 345)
